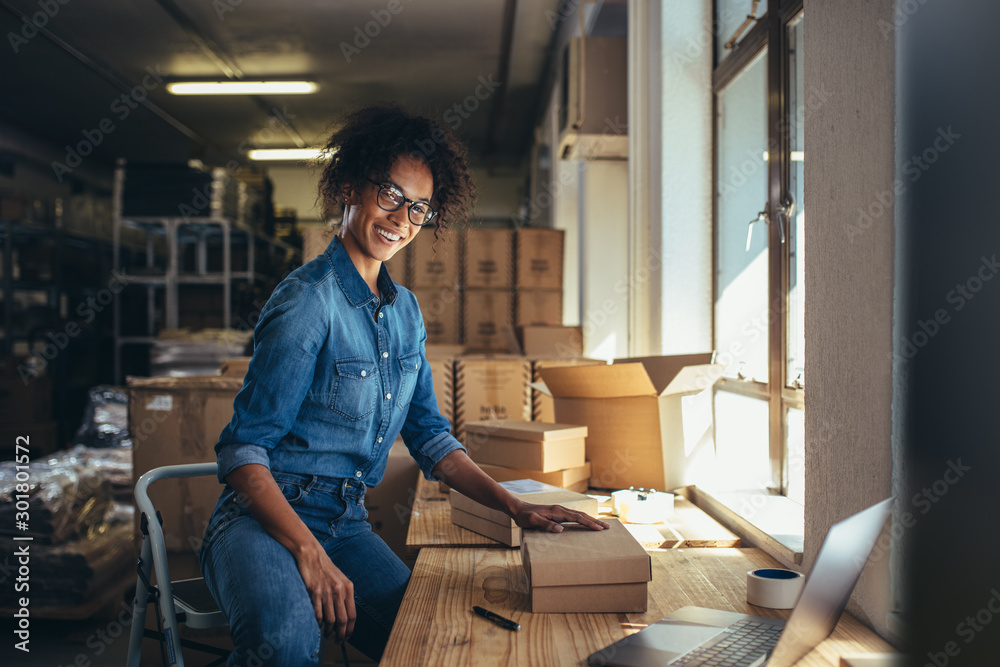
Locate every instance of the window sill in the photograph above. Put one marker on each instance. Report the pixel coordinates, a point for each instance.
(772, 523)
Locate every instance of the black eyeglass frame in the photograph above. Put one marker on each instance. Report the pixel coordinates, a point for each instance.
(428, 219)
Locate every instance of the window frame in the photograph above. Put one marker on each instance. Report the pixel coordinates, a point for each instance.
(770, 32)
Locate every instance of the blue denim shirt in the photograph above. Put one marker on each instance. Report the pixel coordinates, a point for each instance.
(334, 378)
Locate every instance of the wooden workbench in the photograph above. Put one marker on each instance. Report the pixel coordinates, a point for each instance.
(436, 625)
(431, 526)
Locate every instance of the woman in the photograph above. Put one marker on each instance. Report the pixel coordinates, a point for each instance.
(338, 371)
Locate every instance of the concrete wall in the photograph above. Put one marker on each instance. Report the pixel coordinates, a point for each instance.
(849, 174)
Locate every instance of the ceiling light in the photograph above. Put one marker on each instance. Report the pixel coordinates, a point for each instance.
(287, 154)
(241, 87)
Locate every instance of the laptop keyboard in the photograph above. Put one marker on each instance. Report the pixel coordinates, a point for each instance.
(747, 642)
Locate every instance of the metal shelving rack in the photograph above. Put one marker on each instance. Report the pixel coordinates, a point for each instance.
(178, 232)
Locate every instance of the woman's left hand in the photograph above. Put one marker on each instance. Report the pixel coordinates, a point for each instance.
(550, 517)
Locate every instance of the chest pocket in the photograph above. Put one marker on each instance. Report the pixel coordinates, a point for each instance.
(355, 388)
(410, 367)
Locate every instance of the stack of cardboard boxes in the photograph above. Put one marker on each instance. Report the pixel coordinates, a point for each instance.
(553, 454)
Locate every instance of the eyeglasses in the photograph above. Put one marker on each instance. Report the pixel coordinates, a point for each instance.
(391, 199)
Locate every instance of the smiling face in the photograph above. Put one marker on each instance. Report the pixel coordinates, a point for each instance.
(372, 235)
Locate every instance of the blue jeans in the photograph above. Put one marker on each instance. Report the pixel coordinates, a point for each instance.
(258, 586)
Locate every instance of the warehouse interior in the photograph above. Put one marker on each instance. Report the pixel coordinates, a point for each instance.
(619, 147)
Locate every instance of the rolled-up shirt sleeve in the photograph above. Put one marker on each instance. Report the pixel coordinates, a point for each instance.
(287, 339)
(426, 432)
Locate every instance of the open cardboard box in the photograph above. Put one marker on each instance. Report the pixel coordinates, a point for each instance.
(643, 429)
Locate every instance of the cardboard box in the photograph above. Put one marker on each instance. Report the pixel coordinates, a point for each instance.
(441, 309)
(488, 259)
(525, 444)
(542, 406)
(644, 424)
(469, 514)
(178, 420)
(572, 479)
(586, 571)
(490, 388)
(554, 342)
(539, 259)
(235, 367)
(433, 264)
(538, 308)
(488, 320)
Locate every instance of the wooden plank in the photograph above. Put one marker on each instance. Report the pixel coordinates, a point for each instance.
(436, 626)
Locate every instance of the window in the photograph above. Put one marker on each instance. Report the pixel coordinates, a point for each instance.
(759, 262)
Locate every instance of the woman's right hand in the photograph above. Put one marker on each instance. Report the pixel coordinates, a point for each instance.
(331, 592)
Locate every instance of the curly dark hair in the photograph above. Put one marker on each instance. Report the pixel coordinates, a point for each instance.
(369, 142)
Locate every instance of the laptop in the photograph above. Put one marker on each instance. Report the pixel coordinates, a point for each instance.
(698, 636)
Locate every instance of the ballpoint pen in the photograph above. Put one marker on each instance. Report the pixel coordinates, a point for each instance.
(496, 618)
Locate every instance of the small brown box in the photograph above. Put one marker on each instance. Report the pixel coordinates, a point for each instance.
(551, 342)
(488, 320)
(490, 388)
(433, 262)
(488, 259)
(441, 308)
(495, 524)
(539, 259)
(526, 444)
(586, 571)
(539, 308)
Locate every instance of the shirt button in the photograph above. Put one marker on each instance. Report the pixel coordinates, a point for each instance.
(380, 439)
(388, 396)
(380, 314)
(364, 373)
(358, 474)
(385, 355)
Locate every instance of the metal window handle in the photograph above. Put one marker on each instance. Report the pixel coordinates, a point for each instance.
(761, 216)
(785, 212)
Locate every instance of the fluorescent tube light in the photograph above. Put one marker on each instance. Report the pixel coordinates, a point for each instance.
(285, 153)
(241, 87)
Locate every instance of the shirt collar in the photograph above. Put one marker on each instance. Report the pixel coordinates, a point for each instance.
(354, 286)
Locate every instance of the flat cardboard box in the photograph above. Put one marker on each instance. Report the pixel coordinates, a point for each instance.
(178, 420)
(648, 418)
(543, 408)
(526, 444)
(572, 479)
(586, 571)
(488, 320)
(539, 258)
(490, 388)
(235, 367)
(551, 341)
(441, 310)
(433, 262)
(538, 308)
(488, 259)
(502, 528)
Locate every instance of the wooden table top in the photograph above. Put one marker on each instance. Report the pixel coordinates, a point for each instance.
(436, 625)
(431, 526)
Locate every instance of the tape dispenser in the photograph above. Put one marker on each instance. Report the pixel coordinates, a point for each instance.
(642, 506)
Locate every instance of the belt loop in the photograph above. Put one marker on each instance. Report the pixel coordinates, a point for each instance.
(310, 484)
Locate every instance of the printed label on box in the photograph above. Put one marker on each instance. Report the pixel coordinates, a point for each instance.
(161, 402)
